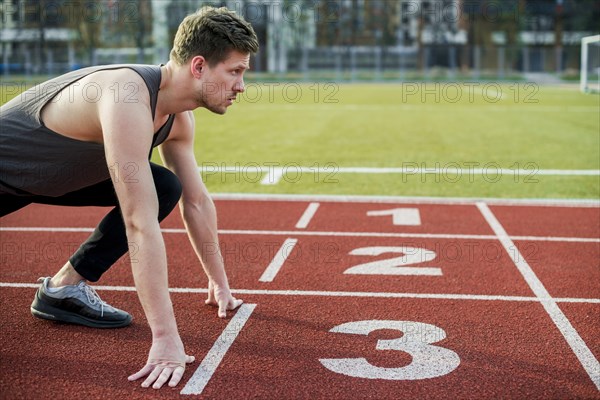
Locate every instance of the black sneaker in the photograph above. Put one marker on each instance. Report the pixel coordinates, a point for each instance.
(77, 304)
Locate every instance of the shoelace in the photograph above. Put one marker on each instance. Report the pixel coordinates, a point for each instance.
(94, 298)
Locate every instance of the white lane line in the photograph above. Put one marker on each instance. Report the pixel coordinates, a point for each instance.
(574, 340)
(555, 239)
(215, 355)
(276, 233)
(321, 293)
(44, 229)
(320, 233)
(280, 257)
(309, 213)
(583, 203)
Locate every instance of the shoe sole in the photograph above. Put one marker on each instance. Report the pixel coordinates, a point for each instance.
(45, 311)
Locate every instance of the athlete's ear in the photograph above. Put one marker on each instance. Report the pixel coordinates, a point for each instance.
(197, 65)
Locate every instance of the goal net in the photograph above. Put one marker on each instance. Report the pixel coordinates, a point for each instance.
(590, 64)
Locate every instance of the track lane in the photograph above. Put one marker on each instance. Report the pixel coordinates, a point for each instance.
(471, 324)
(505, 349)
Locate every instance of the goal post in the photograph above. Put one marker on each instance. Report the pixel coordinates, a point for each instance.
(590, 64)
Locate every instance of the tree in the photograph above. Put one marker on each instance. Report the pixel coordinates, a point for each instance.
(85, 17)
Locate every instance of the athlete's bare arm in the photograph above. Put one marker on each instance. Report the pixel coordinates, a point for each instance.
(198, 210)
(127, 131)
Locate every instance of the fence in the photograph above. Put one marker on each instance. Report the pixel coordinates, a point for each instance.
(342, 63)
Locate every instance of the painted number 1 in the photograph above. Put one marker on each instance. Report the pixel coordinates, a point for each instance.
(428, 361)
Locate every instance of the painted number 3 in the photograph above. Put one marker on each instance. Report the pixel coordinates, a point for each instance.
(428, 361)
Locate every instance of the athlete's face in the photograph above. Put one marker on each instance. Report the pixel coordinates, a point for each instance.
(221, 84)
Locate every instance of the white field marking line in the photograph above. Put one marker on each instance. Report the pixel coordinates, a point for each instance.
(275, 174)
(280, 257)
(307, 216)
(577, 344)
(424, 107)
(215, 355)
(324, 198)
(326, 234)
(321, 293)
(491, 93)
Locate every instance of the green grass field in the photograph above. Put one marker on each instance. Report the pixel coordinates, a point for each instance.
(502, 138)
(408, 125)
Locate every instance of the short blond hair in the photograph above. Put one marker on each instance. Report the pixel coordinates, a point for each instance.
(212, 33)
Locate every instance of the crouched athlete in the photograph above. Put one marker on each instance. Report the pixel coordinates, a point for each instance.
(61, 145)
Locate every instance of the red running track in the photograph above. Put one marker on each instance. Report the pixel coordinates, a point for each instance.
(344, 299)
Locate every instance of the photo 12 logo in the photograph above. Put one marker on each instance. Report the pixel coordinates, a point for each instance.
(469, 92)
(60, 12)
(469, 171)
(269, 173)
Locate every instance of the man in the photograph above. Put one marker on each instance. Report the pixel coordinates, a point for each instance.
(84, 138)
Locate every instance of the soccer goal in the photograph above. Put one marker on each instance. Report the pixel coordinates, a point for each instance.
(590, 64)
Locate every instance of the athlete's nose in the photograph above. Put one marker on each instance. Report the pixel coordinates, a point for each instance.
(239, 86)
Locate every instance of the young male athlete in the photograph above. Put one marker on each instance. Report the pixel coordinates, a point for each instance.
(84, 139)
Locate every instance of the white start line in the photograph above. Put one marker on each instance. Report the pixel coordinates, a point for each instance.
(196, 384)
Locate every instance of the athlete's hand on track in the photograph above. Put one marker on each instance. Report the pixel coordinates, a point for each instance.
(167, 359)
(221, 297)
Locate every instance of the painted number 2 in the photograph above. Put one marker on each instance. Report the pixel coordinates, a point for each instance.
(396, 265)
(428, 361)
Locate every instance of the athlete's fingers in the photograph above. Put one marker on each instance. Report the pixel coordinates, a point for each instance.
(163, 377)
(222, 309)
(142, 372)
(176, 377)
(153, 376)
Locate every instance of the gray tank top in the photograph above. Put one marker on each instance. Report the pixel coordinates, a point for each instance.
(35, 160)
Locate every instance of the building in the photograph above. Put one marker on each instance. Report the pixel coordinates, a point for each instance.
(305, 35)
(35, 36)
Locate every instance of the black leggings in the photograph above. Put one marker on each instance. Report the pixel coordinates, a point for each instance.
(108, 242)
